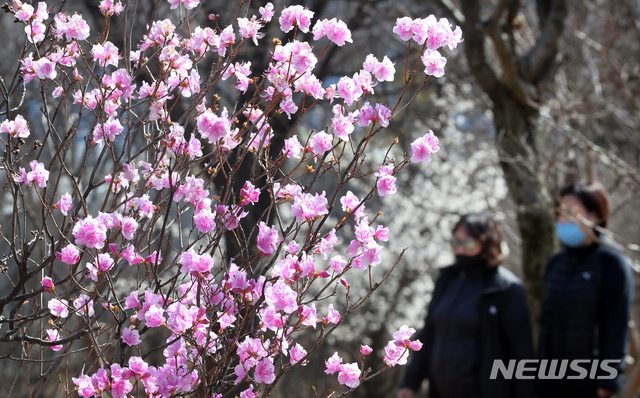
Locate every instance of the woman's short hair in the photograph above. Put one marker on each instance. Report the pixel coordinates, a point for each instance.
(483, 227)
(593, 197)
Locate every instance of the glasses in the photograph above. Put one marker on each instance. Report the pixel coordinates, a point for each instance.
(466, 244)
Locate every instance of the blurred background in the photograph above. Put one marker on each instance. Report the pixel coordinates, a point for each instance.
(540, 94)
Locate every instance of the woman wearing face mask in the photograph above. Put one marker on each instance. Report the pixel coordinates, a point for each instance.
(588, 291)
(478, 314)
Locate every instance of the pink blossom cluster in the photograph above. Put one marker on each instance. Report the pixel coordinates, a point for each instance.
(434, 34)
(38, 175)
(33, 18)
(111, 7)
(160, 201)
(335, 30)
(173, 377)
(396, 353)
(386, 183)
(306, 206)
(423, 147)
(17, 127)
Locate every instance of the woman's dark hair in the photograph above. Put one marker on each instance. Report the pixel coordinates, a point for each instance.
(593, 197)
(484, 227)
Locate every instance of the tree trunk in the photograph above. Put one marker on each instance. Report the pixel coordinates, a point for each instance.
(517, 146)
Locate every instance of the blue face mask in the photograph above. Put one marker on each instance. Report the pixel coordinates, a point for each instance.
(570, 234)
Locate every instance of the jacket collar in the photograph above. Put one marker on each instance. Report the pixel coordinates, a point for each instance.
(495, 279)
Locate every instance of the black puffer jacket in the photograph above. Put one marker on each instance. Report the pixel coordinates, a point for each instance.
(504, 332)
(585, 314)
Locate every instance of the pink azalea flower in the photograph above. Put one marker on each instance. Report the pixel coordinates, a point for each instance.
(84, 386)
(297, 353)
(281, 297)
(333, 316)
(370, 256)
(47, 283)
(65, 203)
(23, 11)
(213, 127)
(131, 337)
(28, 71)
(100, 379)
(57, 92)
(308, 315)
(45, 69)
(338, 263)
(104, 262)
(53, 335)
(342, 124)
(320, 143)
(241, 373)
(306, 206)
(249, 29)
(193, 262)
(434, 63)
(90, 232)
(267, 12)
(106, 54)
(348, 90)
(292, 147)
(231, 215)
(310, 85)
(249, 393)
(403, 334)
(349, 375)
(129, 226)
(84, 305)
(188, 4)
(108, 130)
(205, 220)
(333, 364)
(386, 183)
(249, 194)
(120, 387)
(72, 28)
(35, 31)
(38, 174)
(69, 254)
(288, 106)
(423, 147)
(403, 28)
(335, 30)
(110, 7)
(154, 316)
(132, 301)
(268, 239)
(295, 15)
(59, 307)
(299, 54)
(367, 115)
(139, 368)
(144, 206)
(395, 354)
(272, 319)
(16, 128)
(364, 81)
(383, 71)
(264, 372)
(421, 28)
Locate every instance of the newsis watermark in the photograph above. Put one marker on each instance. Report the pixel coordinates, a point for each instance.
(555, 369)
